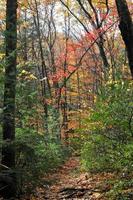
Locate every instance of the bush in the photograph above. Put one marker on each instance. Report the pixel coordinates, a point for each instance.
(101, 154)
(109, 142)
(36, 155)
(121, 190)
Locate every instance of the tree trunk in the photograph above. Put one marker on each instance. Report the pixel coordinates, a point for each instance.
(126, 28)
(10, 81)
(8, 151)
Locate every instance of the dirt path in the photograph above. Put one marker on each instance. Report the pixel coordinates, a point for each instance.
(60, 179)
(69, 183)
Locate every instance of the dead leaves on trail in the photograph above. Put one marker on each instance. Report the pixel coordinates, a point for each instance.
(68, 183)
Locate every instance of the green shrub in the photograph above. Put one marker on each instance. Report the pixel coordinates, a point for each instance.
(109, 143)
(121, 190)
(35, 156)
(103, 154)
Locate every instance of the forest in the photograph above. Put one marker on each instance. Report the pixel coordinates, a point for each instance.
(66, 99)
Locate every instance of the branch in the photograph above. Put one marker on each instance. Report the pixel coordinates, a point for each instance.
(86, 51)
(75, 16)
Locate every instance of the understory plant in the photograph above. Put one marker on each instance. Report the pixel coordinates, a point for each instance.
(36, 155)
(109, 130)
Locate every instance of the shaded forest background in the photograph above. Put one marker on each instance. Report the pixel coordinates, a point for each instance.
(66, 88)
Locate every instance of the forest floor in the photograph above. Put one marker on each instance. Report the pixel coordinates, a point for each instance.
(69, 183)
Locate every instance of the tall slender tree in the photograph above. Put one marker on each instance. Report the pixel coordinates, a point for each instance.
(8, 152)
(8, 178)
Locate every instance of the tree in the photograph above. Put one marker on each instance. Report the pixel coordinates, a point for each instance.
(8, 151)
(126, 28)
(96, 18)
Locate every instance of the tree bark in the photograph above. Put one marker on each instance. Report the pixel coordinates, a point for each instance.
(8, 152)
(7, 176)
(126, 28)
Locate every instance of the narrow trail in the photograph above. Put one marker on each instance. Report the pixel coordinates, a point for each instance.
(69, 183)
